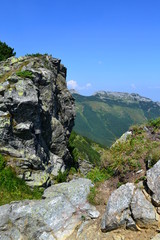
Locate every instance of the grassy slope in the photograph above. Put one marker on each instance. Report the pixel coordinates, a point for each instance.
(84, 148)
(121, 163)
(104, 122)
(13, 188)
(140, 151)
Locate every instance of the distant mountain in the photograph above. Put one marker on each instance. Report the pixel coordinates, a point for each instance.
(105, 116)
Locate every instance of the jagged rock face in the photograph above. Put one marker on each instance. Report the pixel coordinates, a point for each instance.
(55, 217)
(36, 116)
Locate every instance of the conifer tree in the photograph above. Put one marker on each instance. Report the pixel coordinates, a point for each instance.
(6, 51)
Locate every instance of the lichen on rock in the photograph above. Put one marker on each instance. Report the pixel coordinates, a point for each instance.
(36, 116)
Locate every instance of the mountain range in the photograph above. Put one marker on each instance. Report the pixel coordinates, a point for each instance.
(105, 116)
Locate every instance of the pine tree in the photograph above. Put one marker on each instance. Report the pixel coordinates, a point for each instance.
(6, 51)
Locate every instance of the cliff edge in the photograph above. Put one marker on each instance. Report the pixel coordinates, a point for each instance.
(36, 117)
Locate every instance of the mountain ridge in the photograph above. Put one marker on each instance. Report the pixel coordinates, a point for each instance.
(105, 116)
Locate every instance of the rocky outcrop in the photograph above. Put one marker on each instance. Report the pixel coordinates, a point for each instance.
(63, 208)
(36, 117)
(130, 207)
(153, 182)
(123, 138)
(118, 212)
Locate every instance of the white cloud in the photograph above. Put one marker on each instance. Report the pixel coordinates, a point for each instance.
(72, 84)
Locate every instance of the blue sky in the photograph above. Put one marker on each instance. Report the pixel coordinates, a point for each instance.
(111, 45)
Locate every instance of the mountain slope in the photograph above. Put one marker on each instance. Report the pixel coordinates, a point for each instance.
(105, 116)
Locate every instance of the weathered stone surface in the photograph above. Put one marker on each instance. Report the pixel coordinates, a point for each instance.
(117, 212)
(54, 217)
(143, 211)
(157, 237)
(84, 166)
(36, 116)
(123, 138)
(153, 182)
(129, 208)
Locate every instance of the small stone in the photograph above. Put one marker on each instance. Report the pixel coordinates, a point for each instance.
(93, 214)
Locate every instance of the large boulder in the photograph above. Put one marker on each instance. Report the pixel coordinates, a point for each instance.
(153, 182)
(118, 212)
(129, 208)
(143, 211)
(63, 208)
(36, 117)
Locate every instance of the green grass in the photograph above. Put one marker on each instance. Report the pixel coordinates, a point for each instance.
(154, 123)
(24, 74)
(13, 188)
(62, 176)
(36, 55)
(97, 175)
(138, 149)
(92, 196)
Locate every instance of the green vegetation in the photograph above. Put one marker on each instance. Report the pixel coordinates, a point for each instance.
(24, 74)
(97, 175)
(34, 55)
(154, 123)
(13, 188)
(105, 120)
(6, 51)
(134, 153)
(141, 150)
(92, 196)
(84, 148)
(62, 176)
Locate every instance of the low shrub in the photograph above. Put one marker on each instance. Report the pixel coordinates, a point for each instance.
(24, 74)
(97, 175)
(62, 176)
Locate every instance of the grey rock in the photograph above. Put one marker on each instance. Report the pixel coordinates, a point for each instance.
(84, 166)
(123, 138)
(117, 212)
(157, 237)
(143, 211)
(153, 182)
(54, 217)
(129, 208)
(93, 214)
(75, 191)
(36, 116)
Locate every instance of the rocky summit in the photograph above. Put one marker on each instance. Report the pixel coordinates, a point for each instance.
(36, 117)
